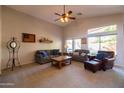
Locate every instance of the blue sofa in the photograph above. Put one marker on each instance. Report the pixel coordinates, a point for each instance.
(44, 56)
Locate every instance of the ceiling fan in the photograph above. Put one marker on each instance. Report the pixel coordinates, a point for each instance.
(65, 17)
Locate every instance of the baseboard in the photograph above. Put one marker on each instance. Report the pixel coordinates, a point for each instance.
(22, 64)
(122, 66)
(0, 71)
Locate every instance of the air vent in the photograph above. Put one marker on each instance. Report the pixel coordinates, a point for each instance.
(79, 14)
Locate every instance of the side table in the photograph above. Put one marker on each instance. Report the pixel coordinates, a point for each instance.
(91, 57)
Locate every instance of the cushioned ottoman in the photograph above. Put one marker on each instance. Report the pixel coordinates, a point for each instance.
(92, 65)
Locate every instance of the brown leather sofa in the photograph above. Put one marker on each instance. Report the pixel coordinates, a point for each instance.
(104, 60)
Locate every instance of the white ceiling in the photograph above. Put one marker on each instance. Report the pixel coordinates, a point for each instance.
(46, 12)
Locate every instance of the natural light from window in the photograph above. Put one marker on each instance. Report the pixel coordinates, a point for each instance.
(73, 44)
(102, 38)
(69, 46)
(77, 44)
(111, 28)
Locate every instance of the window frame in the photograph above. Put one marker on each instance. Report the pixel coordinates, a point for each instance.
(73, 48)
(101, 34)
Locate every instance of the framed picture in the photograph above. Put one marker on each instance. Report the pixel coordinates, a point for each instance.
(84, 41)
(26, 37)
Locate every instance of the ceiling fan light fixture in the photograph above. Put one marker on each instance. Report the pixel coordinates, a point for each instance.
(67, 14)
(62, 19)
(66, 19)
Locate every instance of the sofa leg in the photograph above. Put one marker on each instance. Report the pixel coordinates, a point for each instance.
(104, 69)
(52, 63)
(94, 71)
(85, 67)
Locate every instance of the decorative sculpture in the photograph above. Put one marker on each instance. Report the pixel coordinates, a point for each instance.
(13, 47)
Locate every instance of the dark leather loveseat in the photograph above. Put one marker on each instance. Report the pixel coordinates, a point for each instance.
(104, 60)
(108, 60)
(44, 56)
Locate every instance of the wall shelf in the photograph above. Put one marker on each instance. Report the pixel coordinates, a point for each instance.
(45, 40)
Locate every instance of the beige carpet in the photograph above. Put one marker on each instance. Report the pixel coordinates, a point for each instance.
(71, 76)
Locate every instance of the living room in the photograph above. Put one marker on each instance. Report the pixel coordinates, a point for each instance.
(16, 21)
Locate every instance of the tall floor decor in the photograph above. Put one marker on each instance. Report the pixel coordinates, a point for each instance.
(13, 47)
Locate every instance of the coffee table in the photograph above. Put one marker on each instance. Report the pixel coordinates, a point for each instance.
(61, 60)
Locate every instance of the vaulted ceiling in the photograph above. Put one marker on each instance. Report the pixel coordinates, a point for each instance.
(46, 12)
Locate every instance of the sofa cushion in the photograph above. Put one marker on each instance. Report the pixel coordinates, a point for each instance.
(75, 53)
(54, 52)
(101, 56)
(85, 51)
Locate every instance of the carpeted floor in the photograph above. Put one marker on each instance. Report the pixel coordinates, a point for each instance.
(71, 76)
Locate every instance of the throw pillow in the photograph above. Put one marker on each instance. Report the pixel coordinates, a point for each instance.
(101, 56)
(41, 54)
(45, 54)
(83, 54)
(75, 53)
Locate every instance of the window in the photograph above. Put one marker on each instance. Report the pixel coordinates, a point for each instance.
(103, 38)
(93, 44)
(77, 44)
(69, 46)
(111, 28)
(108, 43)
(73, 44)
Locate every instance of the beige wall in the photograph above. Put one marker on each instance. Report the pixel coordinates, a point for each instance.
(15, 23)
(79, 28)
(0, 37)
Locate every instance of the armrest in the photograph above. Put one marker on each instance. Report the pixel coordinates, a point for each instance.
(97, 60)
(108, 63)
(109, 59)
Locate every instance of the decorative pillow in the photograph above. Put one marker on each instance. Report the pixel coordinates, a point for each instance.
(45, 54)
(83, 54)
(41, 54)
(75, 53)
(101, 56)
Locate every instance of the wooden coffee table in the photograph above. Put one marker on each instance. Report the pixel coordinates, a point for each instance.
(61, 60)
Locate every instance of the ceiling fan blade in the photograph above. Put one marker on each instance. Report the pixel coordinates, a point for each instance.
(73, 18)
(69, 12)
(57, 19)
(58, 14)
